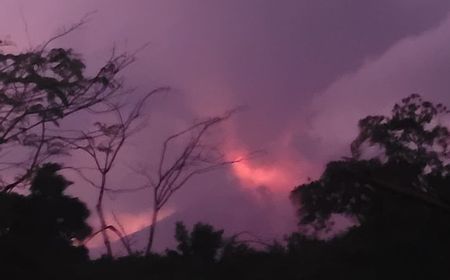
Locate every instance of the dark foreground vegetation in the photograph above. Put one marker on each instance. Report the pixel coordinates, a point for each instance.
(395, 188)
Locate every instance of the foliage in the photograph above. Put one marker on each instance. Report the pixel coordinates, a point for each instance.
(40, 88)
(414, 135)
(412, 163)
(395, 187)
(44, 227)
(399, 196)
(202, 243)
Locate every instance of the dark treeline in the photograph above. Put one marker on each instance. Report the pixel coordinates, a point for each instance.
(394, 191)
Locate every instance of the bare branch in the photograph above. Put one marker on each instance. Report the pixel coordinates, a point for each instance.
(103, 146)
(115, 231)
(195, 158)
(123, 234)
(68, 30)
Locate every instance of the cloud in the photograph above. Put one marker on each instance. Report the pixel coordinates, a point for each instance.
(306, 69)
(417, 64)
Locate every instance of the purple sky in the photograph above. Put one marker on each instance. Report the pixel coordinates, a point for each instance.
(306, 69)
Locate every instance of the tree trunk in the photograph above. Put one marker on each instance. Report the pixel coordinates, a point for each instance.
(99, 208)
(152, 230)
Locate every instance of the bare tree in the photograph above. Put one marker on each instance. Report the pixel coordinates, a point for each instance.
(103, 145)
(41, 87)
(196, 157)
(123, 238)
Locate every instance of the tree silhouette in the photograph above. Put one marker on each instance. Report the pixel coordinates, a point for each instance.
(395, 186)
(103, 145)
(42, 87)
(44, 229)
(38, 89)
(411, 161)
(202, 243)
(195, 157)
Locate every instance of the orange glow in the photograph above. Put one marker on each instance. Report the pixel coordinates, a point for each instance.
(276, 178)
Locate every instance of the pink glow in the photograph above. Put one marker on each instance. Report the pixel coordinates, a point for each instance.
(307, 70)
(276, 178)
(131, 222)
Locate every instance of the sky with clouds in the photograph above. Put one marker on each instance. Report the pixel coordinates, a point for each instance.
(306, 71)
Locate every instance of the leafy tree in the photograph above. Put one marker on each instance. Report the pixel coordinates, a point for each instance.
(45, 229)
(38, 89)
(202, 243)
(395, 186)
(412, 161)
